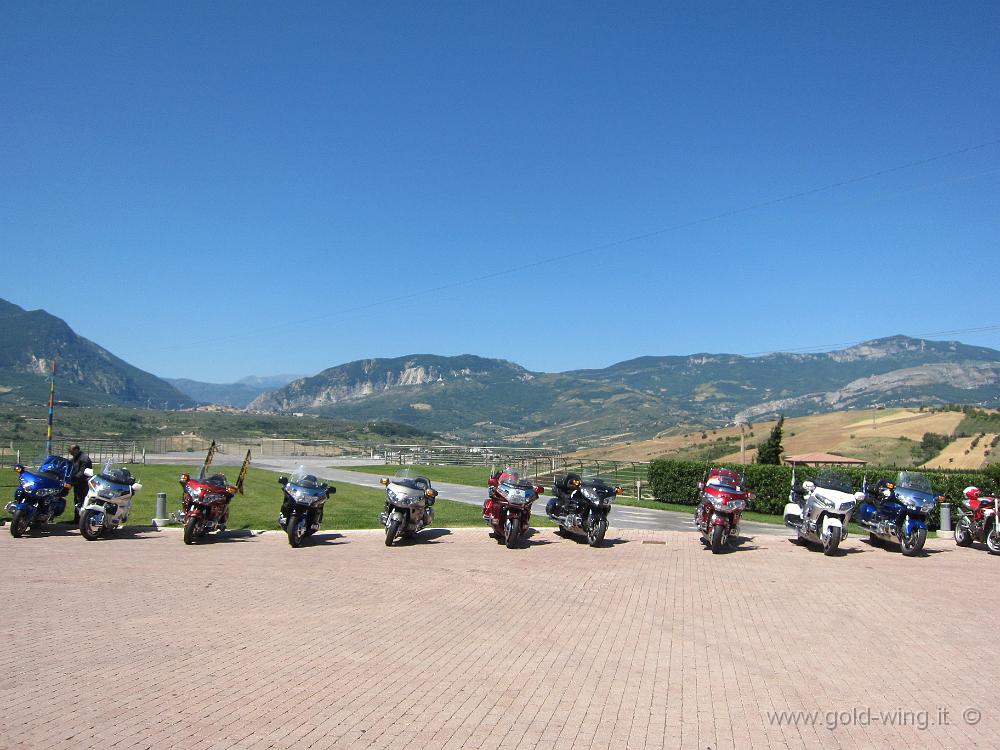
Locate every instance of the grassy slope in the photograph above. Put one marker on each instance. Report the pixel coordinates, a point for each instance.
(352, 507)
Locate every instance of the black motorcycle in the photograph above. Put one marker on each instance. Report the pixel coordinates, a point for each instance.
(582, 506)
(302, 505)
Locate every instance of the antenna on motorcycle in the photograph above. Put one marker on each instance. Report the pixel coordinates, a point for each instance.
(208, 461)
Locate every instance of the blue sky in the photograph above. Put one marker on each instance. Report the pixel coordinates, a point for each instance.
(217, 190)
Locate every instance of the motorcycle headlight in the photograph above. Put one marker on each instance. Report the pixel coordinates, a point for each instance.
(103, 489)
(590, 494)
(195, 492)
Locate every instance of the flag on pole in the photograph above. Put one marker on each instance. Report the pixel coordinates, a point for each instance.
(243, 472)
(208, 461)
(52, 402)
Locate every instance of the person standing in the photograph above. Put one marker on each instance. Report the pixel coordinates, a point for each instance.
(81, 461)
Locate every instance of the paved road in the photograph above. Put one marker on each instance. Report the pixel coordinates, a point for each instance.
(622, 516)
(139, 642)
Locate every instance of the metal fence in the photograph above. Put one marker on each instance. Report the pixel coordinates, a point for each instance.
(539, 463)
(13, 451)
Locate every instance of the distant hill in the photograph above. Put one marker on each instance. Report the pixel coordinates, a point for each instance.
(237, 394)
(476, 398)
(87, 374)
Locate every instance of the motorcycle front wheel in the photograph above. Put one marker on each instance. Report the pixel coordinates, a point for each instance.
(390, 531)
(513, 531)
(993, 540)
(718, 539)
(595, 534)
(89, 528)
(831, 541)
(18, 524)
(911, 544)
(191, 530)
(963, 535)
(296, 530)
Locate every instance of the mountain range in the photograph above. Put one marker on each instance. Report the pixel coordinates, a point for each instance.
(474, 398)
(87, 374)
(237, 394)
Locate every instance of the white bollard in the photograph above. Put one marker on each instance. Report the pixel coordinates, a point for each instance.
(161, 510)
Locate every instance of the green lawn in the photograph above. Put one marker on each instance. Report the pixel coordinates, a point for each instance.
(352, 507)
(474, 476)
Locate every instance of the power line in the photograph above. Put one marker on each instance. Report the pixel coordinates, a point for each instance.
(347, 312)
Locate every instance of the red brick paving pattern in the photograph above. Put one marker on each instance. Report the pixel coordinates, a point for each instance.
(455, 641)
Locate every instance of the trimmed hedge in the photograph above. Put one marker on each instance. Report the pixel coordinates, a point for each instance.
(677, 481)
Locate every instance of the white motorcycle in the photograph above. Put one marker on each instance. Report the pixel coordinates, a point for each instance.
(108, 502)
(819, 511)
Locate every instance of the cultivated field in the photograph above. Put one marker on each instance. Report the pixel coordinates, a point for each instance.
(851, 433)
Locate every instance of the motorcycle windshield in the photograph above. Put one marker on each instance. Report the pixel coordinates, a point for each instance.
(596, 482)
(911, 480)
(56, 467)
(304, 479)
(411, 479)
(120, 476)
(217, 480)
(724, 479)
(831, 479)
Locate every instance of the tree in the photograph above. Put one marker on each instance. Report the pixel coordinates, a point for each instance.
(769, 451)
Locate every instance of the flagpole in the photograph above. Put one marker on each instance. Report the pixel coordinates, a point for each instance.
(52, 401)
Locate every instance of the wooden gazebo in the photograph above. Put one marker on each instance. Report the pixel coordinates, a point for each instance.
(822, 459)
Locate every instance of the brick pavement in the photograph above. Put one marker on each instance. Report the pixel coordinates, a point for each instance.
(454, 641)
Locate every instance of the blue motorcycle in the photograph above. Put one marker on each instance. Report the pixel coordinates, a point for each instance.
(40, 495)
(896, 512)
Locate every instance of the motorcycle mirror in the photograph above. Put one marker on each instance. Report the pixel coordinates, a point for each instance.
(539, 489)
(88, 472)
(282, 481)
(701, 485)
(185, 478)
(383, 481)
(331, 490)
(618, 490)
(808, 486)
(751, 496)
(136, 487)
(859, 496)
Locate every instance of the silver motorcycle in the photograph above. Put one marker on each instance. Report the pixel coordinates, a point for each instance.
(108, 502)
(409, 505)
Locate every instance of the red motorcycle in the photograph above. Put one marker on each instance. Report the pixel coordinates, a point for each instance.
(977, 521)
(508, 506)
(205, 501)
(722, 498)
